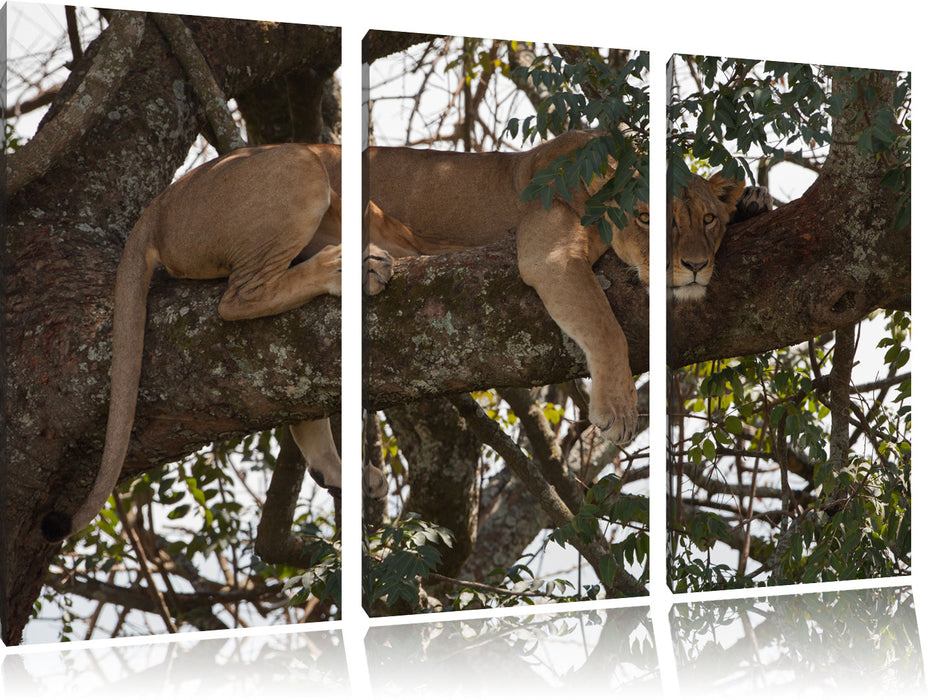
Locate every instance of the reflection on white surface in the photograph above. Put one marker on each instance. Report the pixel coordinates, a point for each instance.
(834, 644)
(857, 642)
(243, 668)
(598, 653)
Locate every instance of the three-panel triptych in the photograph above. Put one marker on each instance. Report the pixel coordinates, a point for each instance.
(172, 289)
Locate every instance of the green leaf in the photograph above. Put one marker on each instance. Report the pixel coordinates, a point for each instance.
(607, 569)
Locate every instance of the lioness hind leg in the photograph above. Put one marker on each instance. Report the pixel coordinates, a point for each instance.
(314, 439)
(269, 291)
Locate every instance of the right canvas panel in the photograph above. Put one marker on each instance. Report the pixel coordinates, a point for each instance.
(788, 344)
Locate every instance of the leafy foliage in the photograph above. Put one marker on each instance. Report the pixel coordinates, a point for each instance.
(400, 556)
(321, 580)
(592, 94)
(775, 112)
(11, 142)
(833, 522)
(606, 505)
(204, 509)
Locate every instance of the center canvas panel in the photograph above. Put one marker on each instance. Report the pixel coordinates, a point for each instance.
(506, 323)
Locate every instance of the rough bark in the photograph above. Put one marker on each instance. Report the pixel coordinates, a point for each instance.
(64, 237)
(378, 44)
(509, 518)
(467, 322)
(87, 105)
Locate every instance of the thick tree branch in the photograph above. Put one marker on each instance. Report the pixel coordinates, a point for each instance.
(84, 108)
(472, 324)
(509, 519)
(839, 402)
(276, 542)
(792, 274)
(816, 264)
(544, 446)
(378, 44)
(443, 459)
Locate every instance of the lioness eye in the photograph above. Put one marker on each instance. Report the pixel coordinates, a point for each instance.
(708, 218)
(645, 218)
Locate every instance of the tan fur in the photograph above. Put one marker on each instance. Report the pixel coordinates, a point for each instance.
(454, 201)
(698, 221)
(245, 216)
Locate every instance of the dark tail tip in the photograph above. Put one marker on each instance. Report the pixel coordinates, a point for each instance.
(56, 525)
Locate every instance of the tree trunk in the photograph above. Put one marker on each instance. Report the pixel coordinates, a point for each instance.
(443, 459)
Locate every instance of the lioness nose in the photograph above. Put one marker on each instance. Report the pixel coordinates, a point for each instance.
(694, 266)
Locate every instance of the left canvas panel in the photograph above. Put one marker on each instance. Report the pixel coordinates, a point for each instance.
(171, 342)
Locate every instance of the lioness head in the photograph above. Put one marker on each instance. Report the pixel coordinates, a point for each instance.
(699, 218)
(632, 244)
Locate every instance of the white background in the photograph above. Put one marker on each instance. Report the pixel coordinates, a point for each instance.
(875, 35)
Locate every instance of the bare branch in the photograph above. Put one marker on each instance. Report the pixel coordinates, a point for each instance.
(74, 39)
(545, 447)
(491, 434)
(158, 597)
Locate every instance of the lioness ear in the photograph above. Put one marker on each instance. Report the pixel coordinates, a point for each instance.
(728, 191)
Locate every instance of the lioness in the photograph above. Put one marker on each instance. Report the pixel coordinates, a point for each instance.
(251, 214)
(699, 217)
(248, 216)
(454, 201)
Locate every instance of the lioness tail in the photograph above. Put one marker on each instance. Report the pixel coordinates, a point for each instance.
(136, 267)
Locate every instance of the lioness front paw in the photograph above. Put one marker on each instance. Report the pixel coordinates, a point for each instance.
(614, 415)
(378, 269)
(755, 200)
